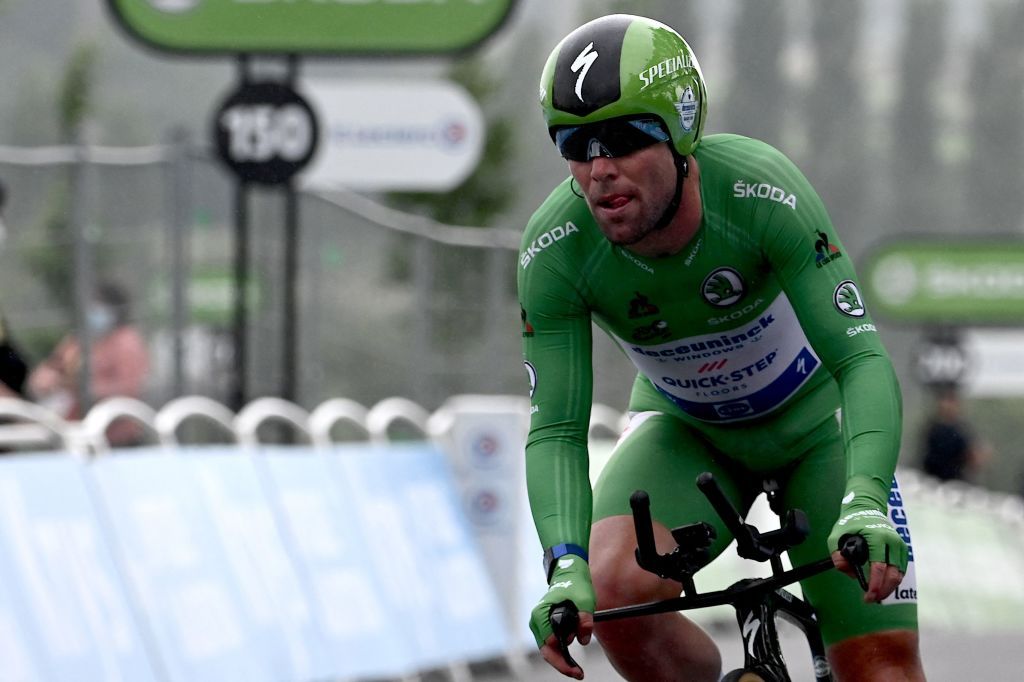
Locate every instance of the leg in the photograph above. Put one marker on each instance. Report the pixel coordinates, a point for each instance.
(864, 641)
(663, 456)
(890, 655)
(651, 647)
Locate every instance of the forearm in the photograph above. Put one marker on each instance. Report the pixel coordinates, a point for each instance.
(558, 481)
(872, 423)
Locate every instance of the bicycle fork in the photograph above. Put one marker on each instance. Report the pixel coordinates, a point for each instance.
(761, 649)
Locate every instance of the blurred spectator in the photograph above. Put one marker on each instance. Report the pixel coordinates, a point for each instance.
(13, 368)
(118, 364)
(951, 450)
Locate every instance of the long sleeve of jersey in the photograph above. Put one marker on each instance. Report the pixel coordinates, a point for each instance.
(557, 347)
(819, 279)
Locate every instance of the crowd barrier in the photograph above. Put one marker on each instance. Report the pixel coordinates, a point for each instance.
(322, 560)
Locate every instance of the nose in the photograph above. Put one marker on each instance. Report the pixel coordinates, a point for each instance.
(603, 167)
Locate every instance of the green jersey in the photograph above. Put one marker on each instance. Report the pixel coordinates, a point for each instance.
(752, 326)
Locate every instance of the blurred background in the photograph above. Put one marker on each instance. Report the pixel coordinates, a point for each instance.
(907, 116)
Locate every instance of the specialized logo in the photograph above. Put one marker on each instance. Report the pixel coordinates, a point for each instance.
(847, 299)
(531, 372)
(566, 562)
(722, 287)
(664, 69)
(686, 107)
(744, 190)
(527, 327)
(640, 306)
(544, 241)
(826, 252)
(584, 60)
(849, 497)
(749, 632)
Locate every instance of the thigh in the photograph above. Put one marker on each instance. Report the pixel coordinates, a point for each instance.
(663, 456)
(816, 485)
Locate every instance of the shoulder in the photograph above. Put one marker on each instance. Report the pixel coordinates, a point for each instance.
(562, 220)
(743, 155)
(743, 168)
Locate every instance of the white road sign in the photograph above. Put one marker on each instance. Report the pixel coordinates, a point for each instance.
(391, 135)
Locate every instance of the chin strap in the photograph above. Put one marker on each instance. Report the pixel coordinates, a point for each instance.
(682, 171)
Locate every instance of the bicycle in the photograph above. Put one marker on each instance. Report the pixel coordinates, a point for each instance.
(757, 601)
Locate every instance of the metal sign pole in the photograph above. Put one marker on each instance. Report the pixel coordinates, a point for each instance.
(290, 316)
(239, 388)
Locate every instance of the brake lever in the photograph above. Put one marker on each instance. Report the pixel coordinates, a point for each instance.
(565, 619)
(854, 549)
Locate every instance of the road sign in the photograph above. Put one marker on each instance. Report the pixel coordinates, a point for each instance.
(947, 281)
(265, 132)
(311, 26)
(941, 363)
(393, 135)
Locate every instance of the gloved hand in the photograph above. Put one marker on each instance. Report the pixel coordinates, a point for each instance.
(863, 513)
(570, 581)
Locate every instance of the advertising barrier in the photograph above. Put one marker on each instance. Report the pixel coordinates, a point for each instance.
(65, 612)
(226, 563)
(356, 561)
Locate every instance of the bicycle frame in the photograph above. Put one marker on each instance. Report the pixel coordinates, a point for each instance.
(756, 601)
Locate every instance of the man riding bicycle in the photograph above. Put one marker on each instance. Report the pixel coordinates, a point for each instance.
(714, 265)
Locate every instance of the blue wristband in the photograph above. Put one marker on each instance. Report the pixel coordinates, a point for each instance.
(557, 551)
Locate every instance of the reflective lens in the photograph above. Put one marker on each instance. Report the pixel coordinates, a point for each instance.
(612, 138)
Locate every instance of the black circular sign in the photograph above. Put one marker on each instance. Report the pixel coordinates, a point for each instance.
(265, 132)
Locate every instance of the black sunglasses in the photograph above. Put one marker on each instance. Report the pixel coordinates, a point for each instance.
(612, 138)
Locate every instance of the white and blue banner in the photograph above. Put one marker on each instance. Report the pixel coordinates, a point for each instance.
(207, 564)
(64, 610)
(216, 564)
(421, 550)
(362, 635)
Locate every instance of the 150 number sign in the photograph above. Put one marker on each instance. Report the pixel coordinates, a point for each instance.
(265, 132)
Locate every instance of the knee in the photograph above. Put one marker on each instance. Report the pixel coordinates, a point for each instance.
(618, 580)
(622, 582)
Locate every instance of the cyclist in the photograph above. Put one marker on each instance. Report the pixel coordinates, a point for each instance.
(714, 265)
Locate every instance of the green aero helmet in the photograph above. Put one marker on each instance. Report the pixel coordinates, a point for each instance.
(624, 65)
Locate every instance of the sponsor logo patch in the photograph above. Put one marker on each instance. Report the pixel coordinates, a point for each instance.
(825, 251)
(686, 107)
(531, 372)
(860, 329)
(848, 300)
(542, 242)
(641, 306)
(722, 287)
(745, 190)
(527, 327)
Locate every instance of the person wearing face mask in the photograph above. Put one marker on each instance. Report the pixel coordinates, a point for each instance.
(118, 364)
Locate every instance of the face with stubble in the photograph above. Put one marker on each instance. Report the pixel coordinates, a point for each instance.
(627, 194)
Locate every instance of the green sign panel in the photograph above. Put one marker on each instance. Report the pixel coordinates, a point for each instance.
(947, 281)
(311, 26)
